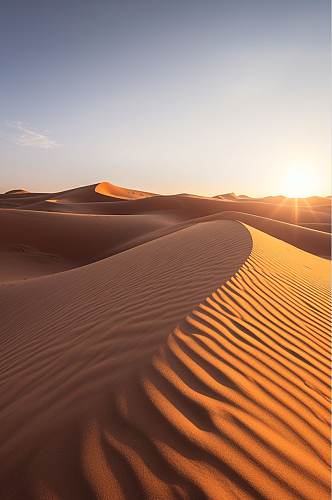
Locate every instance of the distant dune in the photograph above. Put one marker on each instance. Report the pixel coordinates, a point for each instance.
(164, 347)
(109, 189)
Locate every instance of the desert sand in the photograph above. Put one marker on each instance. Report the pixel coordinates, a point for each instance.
(164, 347)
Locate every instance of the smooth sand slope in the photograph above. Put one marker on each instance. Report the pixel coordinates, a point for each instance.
(165, 353)
(42, 243)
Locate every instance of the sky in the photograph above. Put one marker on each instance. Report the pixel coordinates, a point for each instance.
(206, 97)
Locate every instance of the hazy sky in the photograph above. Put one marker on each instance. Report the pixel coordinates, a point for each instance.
(204, 96)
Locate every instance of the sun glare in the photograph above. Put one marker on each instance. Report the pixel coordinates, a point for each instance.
(300, 183)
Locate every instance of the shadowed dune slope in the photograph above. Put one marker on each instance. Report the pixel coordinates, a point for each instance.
(110, 389)
(21, 262)
(84, 194)
(324, 226)
(20, 199)
(37, 243)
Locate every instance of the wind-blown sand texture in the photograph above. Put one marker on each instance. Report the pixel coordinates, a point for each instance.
(163, 347)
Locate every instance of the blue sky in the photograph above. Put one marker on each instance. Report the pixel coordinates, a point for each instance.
(196, 96)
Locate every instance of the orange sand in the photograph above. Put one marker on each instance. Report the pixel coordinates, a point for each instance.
(163, 347)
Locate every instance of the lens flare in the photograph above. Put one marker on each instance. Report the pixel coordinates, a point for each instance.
(300, 183)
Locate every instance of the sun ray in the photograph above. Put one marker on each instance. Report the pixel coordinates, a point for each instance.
(299, 183)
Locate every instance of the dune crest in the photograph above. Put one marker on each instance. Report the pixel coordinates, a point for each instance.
(233, 402)
(308, 239)
(162, 347)
(108, 189)
(236, 403)
(89, 328)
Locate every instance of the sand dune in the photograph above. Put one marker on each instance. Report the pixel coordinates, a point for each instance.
(107, 199)
(71, 238)
(108, 189)
(307, 239)
(100, 322)
(85, 194)
(16, 191)
(20, 262)
(240, 391)
(162, 347)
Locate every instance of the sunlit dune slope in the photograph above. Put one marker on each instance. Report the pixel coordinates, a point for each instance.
(112, 389)
(236, 404)
(307, 239)
(108, 189)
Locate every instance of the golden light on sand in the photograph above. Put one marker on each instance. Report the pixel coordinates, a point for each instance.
(186, 345)
(300, 183)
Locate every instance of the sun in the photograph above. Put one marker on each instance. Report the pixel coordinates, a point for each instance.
(299, 183)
